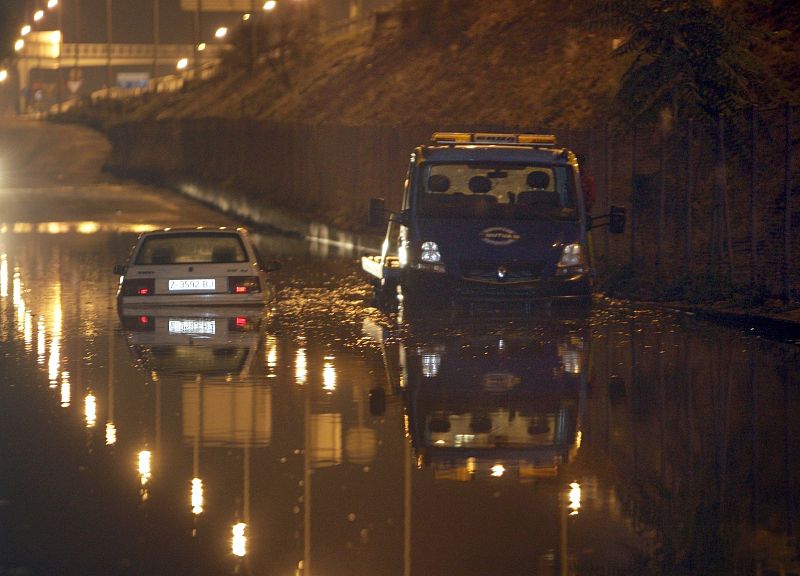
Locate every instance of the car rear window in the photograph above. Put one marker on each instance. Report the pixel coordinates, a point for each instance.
(191, 249)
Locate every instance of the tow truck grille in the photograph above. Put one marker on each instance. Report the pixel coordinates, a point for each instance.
(501, 273)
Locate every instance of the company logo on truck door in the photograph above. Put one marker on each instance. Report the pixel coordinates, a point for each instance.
(498, 236)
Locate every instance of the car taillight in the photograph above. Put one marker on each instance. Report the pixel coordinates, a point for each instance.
(238, 324)
(138, 323)
(243, 285)
(145, 287)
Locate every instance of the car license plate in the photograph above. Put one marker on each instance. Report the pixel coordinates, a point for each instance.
(192, 284)
(192, 326)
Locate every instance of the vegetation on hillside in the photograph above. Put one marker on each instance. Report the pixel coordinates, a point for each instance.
(690, 59)
(518, 63)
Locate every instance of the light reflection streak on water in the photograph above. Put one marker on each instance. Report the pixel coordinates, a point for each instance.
(239, 539)
(111, 434)
(90, 410)
(144, 467)
(27, 332)
(574, 497)
(16, 299)
(40, 341)
(329, 374)
(272, 353)
(4, 275)
(86, 227)
(197, 496)
(300, 367)
(54, 360)
(3, 296)
(66, 389)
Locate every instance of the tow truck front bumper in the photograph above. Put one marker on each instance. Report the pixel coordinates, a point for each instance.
(422, 284)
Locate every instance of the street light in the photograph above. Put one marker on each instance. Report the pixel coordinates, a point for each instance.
(52, 3)
(25, 30)
(221, 32)
(270, 5)
(19, 44)
(38, 15)
(182, 64)
(3, 75)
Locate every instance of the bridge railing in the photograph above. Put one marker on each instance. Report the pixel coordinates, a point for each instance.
(171, 83)
(118, 52)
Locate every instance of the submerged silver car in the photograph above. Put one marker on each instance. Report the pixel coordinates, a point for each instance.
(194, 266)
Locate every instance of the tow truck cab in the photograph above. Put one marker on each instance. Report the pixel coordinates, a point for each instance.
(488, 216)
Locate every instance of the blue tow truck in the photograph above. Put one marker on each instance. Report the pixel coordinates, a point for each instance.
(488, 216)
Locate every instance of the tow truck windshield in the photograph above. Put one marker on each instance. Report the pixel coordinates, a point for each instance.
(497, 190)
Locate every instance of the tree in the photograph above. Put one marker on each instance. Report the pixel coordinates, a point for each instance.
(688, 57)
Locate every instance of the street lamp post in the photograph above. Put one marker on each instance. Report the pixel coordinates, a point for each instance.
(198, 35)
(108, 48)
(156, 38)
(59, 77)
(253, 49)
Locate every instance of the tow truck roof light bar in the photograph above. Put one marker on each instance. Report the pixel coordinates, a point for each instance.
(493, 138)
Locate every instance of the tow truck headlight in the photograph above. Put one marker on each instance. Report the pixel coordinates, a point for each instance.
(572, 261)
(430, 252)
(430, 258)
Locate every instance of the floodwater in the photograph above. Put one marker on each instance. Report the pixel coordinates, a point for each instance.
(321, 436)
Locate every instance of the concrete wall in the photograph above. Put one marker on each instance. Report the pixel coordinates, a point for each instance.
(326, 173)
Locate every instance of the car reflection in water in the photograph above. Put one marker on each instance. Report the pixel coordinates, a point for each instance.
(212, 356)
(490, 398)
(194, 340)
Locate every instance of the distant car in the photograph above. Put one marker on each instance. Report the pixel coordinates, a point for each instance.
(194, 266)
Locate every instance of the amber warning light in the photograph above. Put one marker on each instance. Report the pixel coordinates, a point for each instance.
(493, 138)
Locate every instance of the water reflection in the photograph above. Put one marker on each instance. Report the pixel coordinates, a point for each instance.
(185, 340)
(490, 399)
(627, 441)
(217, 360)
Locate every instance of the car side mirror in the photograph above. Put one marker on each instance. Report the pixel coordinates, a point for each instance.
(377, 212)
(616, 220)
(120, 269)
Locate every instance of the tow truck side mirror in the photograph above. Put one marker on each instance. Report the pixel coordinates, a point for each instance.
(616, 219)
(377, 212)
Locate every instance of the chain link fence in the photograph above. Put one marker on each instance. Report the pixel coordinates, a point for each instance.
(712, 206)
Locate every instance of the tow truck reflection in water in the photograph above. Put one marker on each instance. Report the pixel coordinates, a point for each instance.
(493, 399)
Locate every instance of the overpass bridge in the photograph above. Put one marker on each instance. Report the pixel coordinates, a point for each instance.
(44, 51)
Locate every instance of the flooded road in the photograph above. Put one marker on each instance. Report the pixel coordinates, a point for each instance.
(323, 437)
